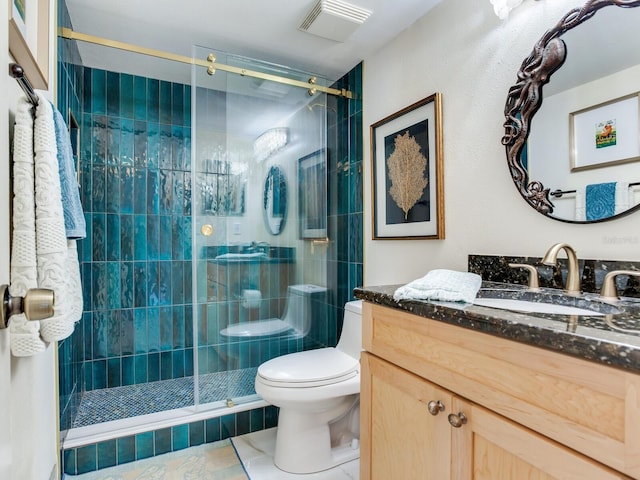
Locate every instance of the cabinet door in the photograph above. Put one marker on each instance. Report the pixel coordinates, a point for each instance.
(400, 438)
(490, 447)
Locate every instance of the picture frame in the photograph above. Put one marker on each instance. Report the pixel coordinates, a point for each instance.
(29, 23)
(312, 195)
(605, 134)
(408, 141)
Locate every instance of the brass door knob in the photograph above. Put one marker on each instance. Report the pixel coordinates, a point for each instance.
(457, 420)
(435, 407)
(37, 304)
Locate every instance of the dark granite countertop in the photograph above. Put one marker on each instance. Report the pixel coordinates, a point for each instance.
(612, 339)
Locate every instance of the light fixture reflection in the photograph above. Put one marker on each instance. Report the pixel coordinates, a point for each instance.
(503, 7)
(270, 142)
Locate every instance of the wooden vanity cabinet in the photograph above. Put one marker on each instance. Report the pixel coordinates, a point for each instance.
(519, 412)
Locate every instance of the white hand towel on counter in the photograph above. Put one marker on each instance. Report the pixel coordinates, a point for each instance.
(443, 285)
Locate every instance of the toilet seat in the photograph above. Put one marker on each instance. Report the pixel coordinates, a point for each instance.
(311, 368)
(258, 328)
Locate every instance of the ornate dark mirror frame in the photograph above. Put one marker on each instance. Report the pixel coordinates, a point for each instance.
(525, 98)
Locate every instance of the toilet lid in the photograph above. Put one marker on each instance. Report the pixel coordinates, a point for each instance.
(310, 368)
(258, 328)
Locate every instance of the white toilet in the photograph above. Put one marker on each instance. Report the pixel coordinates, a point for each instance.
(297, 319)
(318, 392)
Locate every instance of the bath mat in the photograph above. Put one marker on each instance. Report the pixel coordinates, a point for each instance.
(212, 461)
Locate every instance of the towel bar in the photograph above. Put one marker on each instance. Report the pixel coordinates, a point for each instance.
(37, 304)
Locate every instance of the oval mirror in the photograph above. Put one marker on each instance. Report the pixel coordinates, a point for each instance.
(274, 200)
(579, 160)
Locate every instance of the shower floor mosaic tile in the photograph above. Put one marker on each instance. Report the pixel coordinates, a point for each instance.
(116, 403)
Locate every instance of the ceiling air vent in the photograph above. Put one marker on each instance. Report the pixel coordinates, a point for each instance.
(334, 19)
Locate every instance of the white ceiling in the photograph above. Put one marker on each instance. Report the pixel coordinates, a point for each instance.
(261, 29)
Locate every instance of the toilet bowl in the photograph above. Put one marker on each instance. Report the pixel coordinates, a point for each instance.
(318, 393)
(298, 317)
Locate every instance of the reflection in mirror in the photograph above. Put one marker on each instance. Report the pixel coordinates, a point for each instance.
(275, 200)
(564, 164)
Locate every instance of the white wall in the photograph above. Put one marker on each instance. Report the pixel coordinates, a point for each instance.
(464, 51)
(28, 385)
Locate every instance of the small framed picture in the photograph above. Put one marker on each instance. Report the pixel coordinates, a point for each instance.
(605, 134)
(406, 157)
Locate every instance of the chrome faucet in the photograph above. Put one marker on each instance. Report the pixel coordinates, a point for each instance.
(572, 285)
(609, 290)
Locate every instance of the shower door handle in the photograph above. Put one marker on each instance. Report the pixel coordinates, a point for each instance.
(37, 304)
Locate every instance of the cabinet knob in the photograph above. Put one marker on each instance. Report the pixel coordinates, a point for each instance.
(435, 407)
(457, 420)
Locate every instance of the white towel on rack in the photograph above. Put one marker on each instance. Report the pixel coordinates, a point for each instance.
(58, 270)
(25, 335)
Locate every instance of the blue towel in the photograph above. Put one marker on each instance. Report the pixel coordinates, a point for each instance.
(74, 222)
(600, 199)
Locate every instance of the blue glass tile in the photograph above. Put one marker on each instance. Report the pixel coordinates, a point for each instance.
(164, 283)
(178, 192)
(144, 445)
(126, 284)
(100, 138)
(153, 237)
(257, 419)
(196, 433)
(140, 284)
(154, 367)
(188, 362)
(98, 188)
(177, 238)
(177, 286)
(177, 104)
(86, 90)
(128, 370)
(153, 335)
(113, 189)
(140, 98)
(165, 237)
(153, 100)
(165, 102)
(355, 232)
(113, 141)
(270, 416)
(126, 189)
(88, 376)
(87, 326)
(180, 435)
(99, 334)
(140, 337)
(114, 378)
(98, 91)
(153, 145)
(69, 461)
(99, 286)
(152, 284)
(140, 143)
(187, 105)
(166, 365)
(188, 326)
(163, 441)
(107, 454)
(178, 363)
(140, 368)
(113, 93)
(113, 238)
(126, 449)
(127, 140)
(188, 246)
(164, 152)
(153, 188)
(126, 237)
(126, 334)
(86, 460)
(113, 333)
(355, 188)
(177, 148)
(243, 422)
(99, 377)
(126, 95)
(212, 430)
(140, 191)
(166, 329)
(140, 237)
(228, 426)
(187, 148)
(99, 234)
(165, 191)
(187, 193)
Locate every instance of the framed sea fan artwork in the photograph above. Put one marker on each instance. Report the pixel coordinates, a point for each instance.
(406, 166)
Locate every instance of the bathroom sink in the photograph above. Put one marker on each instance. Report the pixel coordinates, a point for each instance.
(527, 306)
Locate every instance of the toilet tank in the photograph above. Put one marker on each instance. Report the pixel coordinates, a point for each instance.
(299, 310)
(351, 337)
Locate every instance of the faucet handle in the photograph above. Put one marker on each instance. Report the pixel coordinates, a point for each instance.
(609, 290)
(534, 283)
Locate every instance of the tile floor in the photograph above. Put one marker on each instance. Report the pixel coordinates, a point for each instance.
(256, 453)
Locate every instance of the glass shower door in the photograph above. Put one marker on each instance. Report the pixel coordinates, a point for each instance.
(254, 139)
